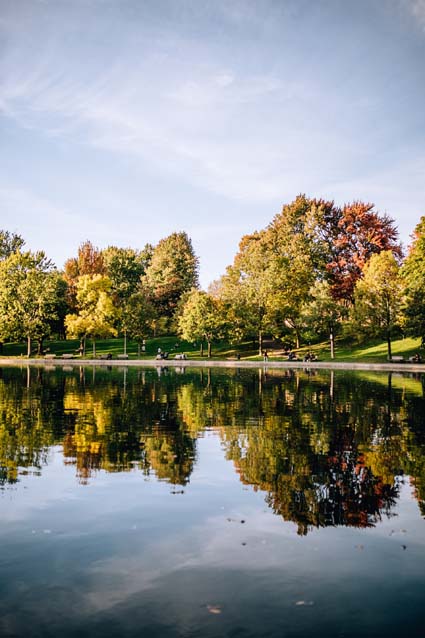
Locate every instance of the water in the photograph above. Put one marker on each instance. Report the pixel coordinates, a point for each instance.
(211, 503)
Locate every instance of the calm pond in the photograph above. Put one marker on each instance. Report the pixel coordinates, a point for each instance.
(243, 503)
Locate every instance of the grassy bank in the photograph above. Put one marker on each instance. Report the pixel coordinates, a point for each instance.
(373, 352)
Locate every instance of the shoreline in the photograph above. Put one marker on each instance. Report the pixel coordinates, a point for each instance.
(224, 363)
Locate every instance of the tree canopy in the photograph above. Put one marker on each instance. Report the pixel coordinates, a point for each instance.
(30, 294)
(96, 313)
(173, 270)
(295, 279)
(378, 297)
(413, 273)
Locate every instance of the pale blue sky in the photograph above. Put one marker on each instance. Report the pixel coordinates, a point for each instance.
(123, 121)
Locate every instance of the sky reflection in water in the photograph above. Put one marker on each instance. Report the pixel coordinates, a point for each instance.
(211, 503)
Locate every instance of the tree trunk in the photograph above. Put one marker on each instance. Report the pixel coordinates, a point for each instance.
(138, 349)
(389, 332)
(28, 346)
(297, 340)
(125, 341)
(40, 346)
(260, 342)
(202, 348)
(84, 346)
(331, 338)
(209, 349)
(389, 344)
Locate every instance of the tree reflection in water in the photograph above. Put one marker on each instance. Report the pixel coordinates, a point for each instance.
(326, 448)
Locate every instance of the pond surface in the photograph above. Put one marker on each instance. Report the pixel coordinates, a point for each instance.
(243, 503)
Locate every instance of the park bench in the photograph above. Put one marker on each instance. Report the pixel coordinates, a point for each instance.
(180, 356)
(122, 356)
(105, 357)
(68, 355)
(50, 356)
(397, 359)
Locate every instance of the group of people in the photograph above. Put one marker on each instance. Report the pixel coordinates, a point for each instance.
(310, 356)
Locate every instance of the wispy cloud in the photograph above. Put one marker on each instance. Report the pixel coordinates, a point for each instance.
(183, 127)
(417, 9)
(172, 103)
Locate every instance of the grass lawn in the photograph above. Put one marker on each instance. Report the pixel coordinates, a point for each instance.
(104, 346)
(374, 352)
(368, 352)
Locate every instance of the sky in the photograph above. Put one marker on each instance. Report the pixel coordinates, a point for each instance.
(122, 121)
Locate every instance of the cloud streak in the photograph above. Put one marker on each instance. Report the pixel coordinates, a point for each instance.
(231, 131)
(417, 9)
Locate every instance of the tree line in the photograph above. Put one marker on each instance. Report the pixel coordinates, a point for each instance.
(317, 270)
(98, 294)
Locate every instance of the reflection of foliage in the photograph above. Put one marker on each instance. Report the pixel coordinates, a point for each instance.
(318, 475)
(324, 453)
(170, 455)
(118, 428)
(24, 439)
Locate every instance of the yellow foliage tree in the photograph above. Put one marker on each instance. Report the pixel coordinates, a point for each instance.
(96, 311)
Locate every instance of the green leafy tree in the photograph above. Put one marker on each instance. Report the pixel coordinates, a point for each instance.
(30, 295)
(298, 252)
(378, 297)
(124, 267)
(200, 319)
(138, 316)
(173, 270)
(269, 282)
(10, 243)
(247, 290)
(323, 314)
(413, 274)
(96, 312)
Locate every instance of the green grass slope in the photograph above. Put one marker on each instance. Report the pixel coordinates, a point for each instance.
(374, 352)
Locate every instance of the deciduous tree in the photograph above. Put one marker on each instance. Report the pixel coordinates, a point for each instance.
(323, 313)
(413, 273)
(29, 297)
(172, 272)
(89, 261)
(96, 313)
(138, 316)
(378, 297)
(200, 319)
(357, 232)
(10, 243)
